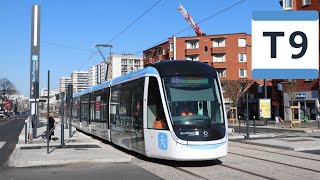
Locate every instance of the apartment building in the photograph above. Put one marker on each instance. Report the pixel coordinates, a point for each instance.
(230, 54)
(63, 83)
(79, 80)
(123, 64)
(97, 74)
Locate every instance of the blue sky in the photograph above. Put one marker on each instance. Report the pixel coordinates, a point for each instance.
(82, 23)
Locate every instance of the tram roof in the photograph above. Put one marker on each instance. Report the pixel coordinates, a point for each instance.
(183, 67)
(136, 74)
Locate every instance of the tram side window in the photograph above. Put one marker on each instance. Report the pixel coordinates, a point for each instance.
(92, 107)
(104, 109)
(156, 117)
(114, 104)
(125, 113)
(76, 109)
(137, 103)
(85, 108)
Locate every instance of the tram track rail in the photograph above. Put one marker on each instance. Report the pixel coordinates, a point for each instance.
(223, 165)
(248, 172)
(276, 162)
(289, 155)
(190, 173)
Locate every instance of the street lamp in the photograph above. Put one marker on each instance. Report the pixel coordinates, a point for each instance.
(107, 62)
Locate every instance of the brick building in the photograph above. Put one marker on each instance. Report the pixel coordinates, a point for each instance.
(230, 54)
(303, 93)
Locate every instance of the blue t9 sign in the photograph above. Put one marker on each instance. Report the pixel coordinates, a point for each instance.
(285, 45)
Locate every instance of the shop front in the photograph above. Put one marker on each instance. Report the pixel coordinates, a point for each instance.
(308, 104)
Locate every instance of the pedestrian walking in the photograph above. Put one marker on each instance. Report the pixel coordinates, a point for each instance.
(52, 126)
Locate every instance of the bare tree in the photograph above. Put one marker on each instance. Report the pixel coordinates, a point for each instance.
(233, 89)
(7, 87)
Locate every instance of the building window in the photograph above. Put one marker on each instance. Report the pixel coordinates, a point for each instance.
(158, 51)
(193, 44)
(123, 61)
(305, 2)
(242, 72)
(242, 42)
(242, 57)
(171, 47)
(222, 72)
(193, 57)
(137, 62)
(287, 4)
(219, 57)
(221, 42)
(148, 54)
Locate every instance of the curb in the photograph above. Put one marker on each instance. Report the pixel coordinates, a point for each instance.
(271, 146)
(65, 162)
(253, 136)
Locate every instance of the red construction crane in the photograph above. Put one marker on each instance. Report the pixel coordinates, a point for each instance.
(189, 19)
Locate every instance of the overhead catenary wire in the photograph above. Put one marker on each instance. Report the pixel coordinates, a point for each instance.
(66, 46)
(127, 27)
(211, 16)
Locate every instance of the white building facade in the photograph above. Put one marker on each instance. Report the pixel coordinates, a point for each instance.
(63, 83)
(97, 74)
(124, 64)
(79, 80)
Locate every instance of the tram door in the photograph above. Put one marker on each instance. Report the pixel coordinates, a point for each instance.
(137, 138)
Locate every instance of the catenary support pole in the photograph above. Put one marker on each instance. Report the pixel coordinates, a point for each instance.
(62, 118)
(48, 111)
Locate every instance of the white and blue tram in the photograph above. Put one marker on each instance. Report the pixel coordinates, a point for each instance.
(123, 111)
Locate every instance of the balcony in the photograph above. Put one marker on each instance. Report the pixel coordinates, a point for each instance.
(192, 51)
(218, 50)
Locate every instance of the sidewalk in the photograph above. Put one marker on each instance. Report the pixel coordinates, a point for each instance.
(80, 148)
(289, 143)
(294, 143)
(310, 127)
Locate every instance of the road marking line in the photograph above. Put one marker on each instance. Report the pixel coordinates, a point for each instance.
(6, 122)
(1, 144)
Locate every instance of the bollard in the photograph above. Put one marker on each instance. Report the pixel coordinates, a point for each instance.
(248, 116)
(239, 124)
(25, 131)
(254, 124)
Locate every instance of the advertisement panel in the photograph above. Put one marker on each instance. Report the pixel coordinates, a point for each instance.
(265, 108)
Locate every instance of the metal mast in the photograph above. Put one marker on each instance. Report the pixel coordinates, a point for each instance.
(189, 19)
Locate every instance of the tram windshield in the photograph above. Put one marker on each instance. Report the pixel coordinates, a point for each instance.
(194, 101)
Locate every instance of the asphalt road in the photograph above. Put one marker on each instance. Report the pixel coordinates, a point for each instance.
(10, 129)
(80, 172)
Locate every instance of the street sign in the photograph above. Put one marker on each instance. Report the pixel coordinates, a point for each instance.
(285, 45)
